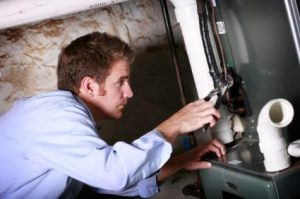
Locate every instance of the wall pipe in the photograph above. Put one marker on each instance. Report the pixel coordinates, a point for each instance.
(275, 115)
(187, 15)
(192, 138)
(20, 12)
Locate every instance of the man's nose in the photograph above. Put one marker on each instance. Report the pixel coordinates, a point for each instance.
(128, 93)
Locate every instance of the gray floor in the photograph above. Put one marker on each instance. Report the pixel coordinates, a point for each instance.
(173, 187)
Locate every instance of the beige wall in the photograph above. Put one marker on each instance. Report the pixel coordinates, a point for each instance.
(28, 54)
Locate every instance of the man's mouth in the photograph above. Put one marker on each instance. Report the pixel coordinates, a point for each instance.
(122, 106)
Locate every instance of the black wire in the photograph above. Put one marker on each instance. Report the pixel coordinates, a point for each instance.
(211, 60)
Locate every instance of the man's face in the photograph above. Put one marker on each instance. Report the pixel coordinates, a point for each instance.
(115, 91)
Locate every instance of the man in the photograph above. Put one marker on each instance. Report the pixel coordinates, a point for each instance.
(49, 145)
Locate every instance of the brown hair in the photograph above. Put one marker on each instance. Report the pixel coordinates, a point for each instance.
(90, 55)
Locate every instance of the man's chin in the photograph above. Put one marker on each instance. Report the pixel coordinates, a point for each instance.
(116, 116)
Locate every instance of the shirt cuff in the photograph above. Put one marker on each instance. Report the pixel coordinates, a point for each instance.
(148, 187)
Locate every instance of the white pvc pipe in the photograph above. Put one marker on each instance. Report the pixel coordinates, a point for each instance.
(223, 128)
(19, 12)
(294, 148)
(187, 15)
(275, 115)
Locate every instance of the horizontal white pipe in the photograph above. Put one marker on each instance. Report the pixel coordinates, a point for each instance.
(275, 115)
(294, 148)
(19, 12)
(187, 15)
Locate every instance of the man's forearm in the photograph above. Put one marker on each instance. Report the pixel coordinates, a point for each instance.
(171, 167)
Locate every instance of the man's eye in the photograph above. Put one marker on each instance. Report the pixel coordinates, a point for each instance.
(121, 82)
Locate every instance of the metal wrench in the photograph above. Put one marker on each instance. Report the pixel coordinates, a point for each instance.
(220, 91)
(211, 94)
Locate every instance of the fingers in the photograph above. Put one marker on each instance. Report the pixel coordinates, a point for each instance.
(190, 118)
(202, 165)
(197, 164)
(206, 111)
(198, 113)
(193, 157)
(219, 146)
(216, 147)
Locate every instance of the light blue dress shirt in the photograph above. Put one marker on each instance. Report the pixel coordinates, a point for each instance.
(50, 138)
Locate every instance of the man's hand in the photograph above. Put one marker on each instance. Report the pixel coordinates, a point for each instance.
(191, 160)
(190, 118)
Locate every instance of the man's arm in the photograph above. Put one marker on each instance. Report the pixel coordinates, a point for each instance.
(191, 160)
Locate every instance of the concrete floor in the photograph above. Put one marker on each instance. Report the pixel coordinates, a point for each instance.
(173, 187)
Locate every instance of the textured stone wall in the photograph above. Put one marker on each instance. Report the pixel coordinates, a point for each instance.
(28, 54)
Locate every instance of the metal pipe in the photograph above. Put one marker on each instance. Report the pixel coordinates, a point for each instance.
(172, 45)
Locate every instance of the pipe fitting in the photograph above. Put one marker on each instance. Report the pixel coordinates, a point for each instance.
(223, 128)
(275, 115)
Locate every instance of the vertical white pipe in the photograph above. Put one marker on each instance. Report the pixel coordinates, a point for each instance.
(275, 115)
(187, 15)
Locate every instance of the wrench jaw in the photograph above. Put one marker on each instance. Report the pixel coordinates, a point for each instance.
(219, 92)
(226, 84)
(212, 93)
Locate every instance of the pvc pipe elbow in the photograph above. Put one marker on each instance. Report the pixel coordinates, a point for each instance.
(275, 115)
(277, 112)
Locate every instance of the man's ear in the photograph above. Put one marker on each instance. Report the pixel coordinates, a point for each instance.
(91, 87)
(86, 86)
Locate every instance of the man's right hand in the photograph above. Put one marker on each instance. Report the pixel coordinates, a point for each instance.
(190, 118)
